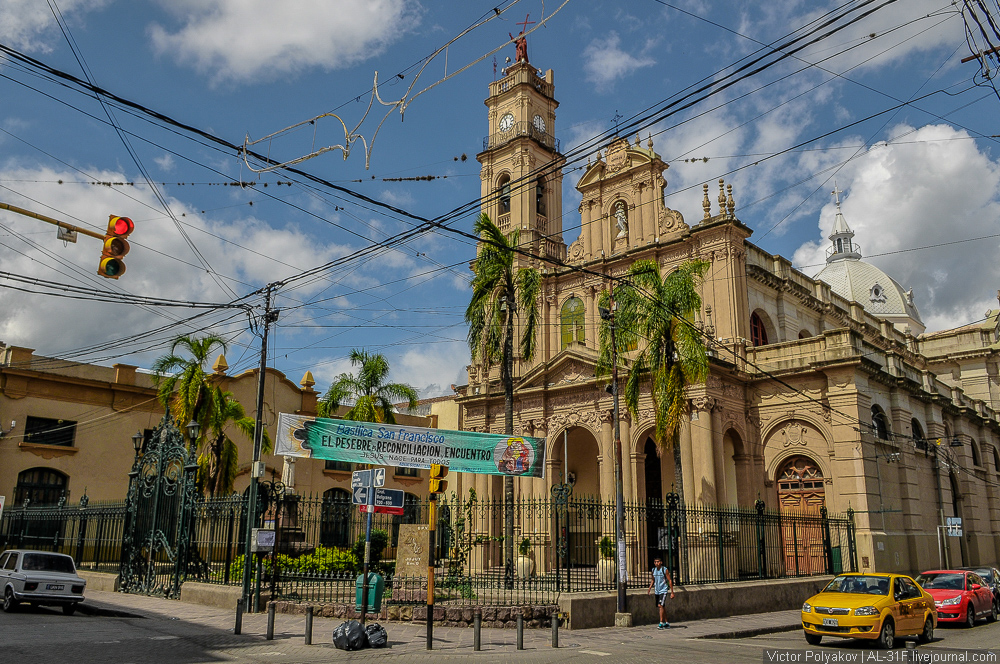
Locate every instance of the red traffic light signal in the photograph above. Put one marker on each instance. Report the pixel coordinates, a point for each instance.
(437, 483)
(115, 247)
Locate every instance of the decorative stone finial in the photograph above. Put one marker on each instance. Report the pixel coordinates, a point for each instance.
(649, 143)
(638, 141)
(220, 365)
(730, 203)
(722, 196)
(307, 380)
(707, 204)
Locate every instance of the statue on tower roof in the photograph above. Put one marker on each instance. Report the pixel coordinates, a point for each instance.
(521, 42)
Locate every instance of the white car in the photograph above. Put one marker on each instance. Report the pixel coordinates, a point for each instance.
(40, 578)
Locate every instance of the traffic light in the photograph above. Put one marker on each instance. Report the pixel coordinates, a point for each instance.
(115, 246)
(437, 482)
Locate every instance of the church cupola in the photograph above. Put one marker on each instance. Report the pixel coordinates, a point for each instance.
(842, 236)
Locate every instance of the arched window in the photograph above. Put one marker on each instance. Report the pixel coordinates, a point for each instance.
(573, 321)
(917, 432)
(758, 333)
(996, 460)
(504, 186)
(840, 245)
(977, 460)
(335, 523)
(804, 334)
(40, 486)
(540, 196)
(880, 425)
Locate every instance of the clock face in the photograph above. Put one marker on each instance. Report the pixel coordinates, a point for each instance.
(507, 122)
(540, 123)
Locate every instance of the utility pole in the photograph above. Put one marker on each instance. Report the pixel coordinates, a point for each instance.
(619, 487)
(258, 437)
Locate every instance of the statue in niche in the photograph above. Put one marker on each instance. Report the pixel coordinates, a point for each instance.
(621, 219)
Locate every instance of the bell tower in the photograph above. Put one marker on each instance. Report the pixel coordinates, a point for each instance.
(521, 165)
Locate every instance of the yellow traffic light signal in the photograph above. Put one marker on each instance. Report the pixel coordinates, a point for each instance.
(437, 481)
(115, 247)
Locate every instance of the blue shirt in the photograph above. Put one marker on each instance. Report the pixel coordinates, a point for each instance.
(660, 586)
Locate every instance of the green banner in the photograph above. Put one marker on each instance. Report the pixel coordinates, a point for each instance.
(409, 447)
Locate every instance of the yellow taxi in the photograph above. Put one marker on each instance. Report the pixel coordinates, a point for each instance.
(878, 607)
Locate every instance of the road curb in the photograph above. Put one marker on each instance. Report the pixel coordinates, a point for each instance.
(102, 612)
(752, 631)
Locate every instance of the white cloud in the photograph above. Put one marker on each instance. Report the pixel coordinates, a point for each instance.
(606, 62)
(30, 26)
(165, 162)
(432, 368)
(932, 188)
(241, 40)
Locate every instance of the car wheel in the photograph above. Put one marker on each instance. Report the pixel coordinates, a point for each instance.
(9, 603)
(69, 609)
(993, 613)
(927, 635)
(813, 639)
(887, 637)
(970, 617)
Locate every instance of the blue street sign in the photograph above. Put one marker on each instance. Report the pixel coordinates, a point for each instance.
(361, 478)
(378, 477)
(359, 495)
(387, 501)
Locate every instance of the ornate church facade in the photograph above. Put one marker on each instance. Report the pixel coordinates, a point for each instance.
(820, 394)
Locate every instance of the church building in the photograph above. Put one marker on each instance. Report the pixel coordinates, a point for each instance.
(823, 392)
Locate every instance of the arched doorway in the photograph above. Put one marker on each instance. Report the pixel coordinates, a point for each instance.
(582, 525)
(335, 523)
(801, 494)
(654, 501)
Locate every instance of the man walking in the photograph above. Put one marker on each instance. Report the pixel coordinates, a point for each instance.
(660, 585)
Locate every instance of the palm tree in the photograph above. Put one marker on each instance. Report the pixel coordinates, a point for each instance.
(182, 382)
(501, 292)
(371, 397)
(656, 313)
(219, 459)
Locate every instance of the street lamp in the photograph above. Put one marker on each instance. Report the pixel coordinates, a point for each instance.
(137, 443)
(193, 431)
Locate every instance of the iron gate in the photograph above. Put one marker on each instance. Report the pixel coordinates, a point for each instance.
(158, 513)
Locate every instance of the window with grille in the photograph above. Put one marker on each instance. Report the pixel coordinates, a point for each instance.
(540, 196)
(45, 431)
(40, 486)
(343, 466)
(406, 472)
(573, 321)
(505, 194)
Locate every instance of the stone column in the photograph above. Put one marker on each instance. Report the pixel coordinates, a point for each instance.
(718, 453)
(628, 485)
(607, 460)
(588, 242)
(686, 441)
(703, 451)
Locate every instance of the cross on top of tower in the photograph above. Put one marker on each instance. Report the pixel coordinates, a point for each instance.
(836, 193)
(521, 42)
(525, 23)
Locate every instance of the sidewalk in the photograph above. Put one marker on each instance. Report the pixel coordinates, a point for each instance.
(408, 638)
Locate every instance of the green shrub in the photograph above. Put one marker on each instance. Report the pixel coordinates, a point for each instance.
(380, 540)
(607, 547)
(325, 560)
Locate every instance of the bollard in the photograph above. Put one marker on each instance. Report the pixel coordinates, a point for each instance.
(270, 621)
(309, 625)
(520, 631)
(911, 650)
(239, 617)
(477, 626)
(555, 630)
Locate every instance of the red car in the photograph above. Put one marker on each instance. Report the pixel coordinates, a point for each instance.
(960, 596)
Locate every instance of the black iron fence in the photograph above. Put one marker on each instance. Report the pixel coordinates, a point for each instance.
(562, 545)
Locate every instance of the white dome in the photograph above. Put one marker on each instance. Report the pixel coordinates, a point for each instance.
(869, 286)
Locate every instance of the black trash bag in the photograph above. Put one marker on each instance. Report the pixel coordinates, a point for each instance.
(377, 638)
(350, 636)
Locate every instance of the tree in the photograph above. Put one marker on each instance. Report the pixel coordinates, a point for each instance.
(656, 314)
(185, 387)
(371, 398)
(501, 293)
(182, 382)
(219, 458)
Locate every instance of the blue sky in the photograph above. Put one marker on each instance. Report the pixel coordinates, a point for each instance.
(921, 182)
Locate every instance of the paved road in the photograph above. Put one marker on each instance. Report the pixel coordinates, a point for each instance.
(125, 628)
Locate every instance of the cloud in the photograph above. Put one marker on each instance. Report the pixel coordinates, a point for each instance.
(432, 369)
(605, 62)
(29, 25)
(165, 162)
(926, 188)
(243, 40)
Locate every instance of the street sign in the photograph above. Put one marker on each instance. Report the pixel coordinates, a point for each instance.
(387, 501)
(360, 495)
(378, 477)
(953, 524)
(361, 478)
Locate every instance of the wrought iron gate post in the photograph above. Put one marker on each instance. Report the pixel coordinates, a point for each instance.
(827, 544)
(673, 532)
(851, 544)
(761, 548)
(560, 497)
